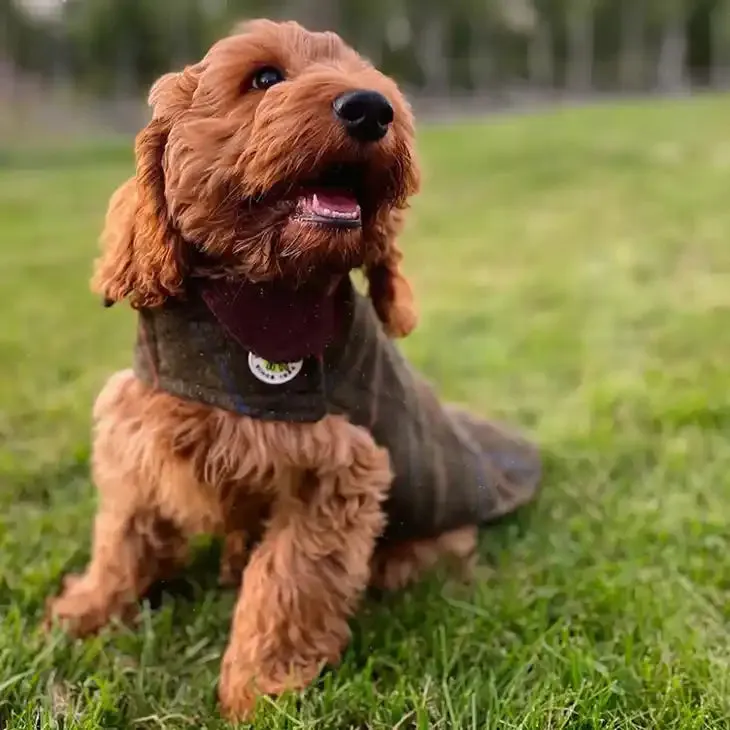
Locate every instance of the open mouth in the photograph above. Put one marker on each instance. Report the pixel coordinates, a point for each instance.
(332, 198)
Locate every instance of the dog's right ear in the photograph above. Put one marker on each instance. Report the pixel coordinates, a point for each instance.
(388, 288)
(143, 256)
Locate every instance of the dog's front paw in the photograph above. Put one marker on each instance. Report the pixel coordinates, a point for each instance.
(237, 703)
(240, 685)
(82, 608)
(237, 694)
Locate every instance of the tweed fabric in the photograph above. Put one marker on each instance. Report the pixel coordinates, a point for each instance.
(451, 468)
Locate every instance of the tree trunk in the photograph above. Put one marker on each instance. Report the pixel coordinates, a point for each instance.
(318, 14)
(125, 77)
(431, 56)
(720, 45)
(9, 98)
(672, 52)
(483, 71)
(540, 58)
(373, 32)
(370, 46)
(482, 61)
(631, 59)
(580, 46)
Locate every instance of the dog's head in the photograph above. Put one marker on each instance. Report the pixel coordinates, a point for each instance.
(283, 153)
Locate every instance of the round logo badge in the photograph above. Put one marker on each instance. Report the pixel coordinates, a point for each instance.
(273, 373)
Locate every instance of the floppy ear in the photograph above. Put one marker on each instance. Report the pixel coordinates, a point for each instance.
(143, 256)
(388, 288)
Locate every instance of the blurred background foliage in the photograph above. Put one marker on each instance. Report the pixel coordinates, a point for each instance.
(435, 47)
(492, 52)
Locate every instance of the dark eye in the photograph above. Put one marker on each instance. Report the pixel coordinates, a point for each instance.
(266, 77)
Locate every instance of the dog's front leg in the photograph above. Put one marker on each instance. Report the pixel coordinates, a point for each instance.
(306, 576)
(132, 548)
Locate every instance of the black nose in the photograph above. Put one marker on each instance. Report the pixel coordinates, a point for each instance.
(366, 115)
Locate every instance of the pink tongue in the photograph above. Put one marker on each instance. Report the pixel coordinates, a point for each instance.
(340, 202)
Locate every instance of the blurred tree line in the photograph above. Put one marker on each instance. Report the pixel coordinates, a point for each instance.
(435, 47)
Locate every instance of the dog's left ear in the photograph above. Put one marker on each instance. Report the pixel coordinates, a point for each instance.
(389, 290)
(143, 257)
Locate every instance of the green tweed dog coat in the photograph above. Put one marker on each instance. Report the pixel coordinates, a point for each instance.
(219, 347)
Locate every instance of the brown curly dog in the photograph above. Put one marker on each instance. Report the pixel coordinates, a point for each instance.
(270, 170)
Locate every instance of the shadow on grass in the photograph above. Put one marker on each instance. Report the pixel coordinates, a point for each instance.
(200, 576)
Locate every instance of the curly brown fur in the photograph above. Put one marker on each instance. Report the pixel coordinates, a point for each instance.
(221, 164)
(167, 470)
(218, 172)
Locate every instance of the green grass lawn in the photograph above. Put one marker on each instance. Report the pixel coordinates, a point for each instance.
(573, 270)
